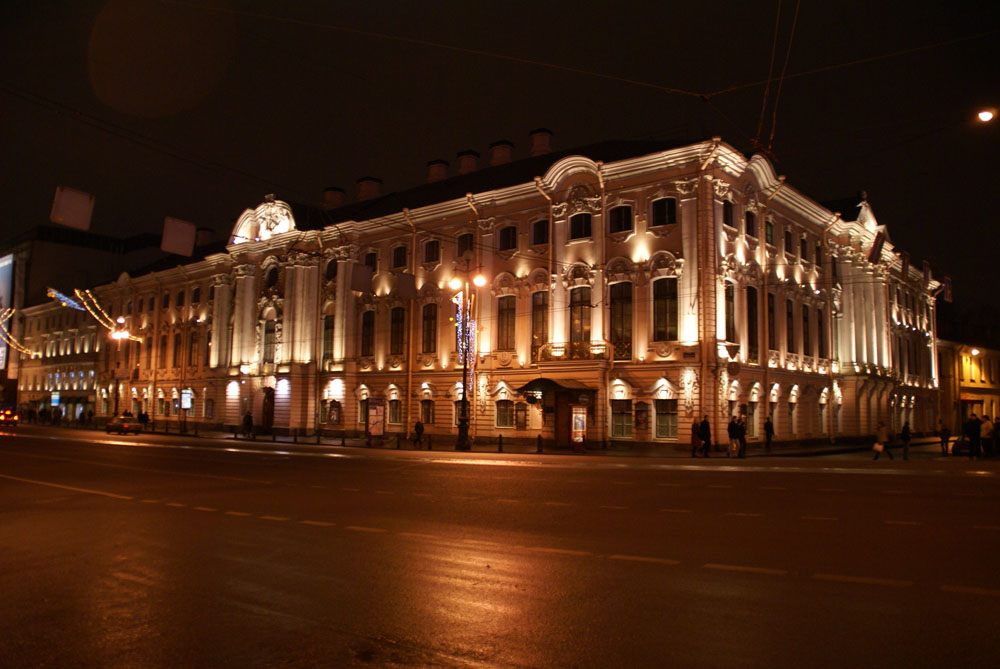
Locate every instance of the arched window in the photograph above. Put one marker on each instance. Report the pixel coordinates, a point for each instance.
(429, 317)
(397, 330)
(621, 320)
(508, 238)
(269, 341)
(368, 333)
(540, 232)
(506, 318)
(271, 278)
(665, 309)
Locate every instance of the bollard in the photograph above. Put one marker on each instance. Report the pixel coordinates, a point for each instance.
(428, 442)
(539, 450)
(500, 443)
(343, 438)
(295, 436)
(317, 437)
(397, 442)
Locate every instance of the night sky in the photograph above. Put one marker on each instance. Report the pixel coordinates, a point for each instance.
(198, 109)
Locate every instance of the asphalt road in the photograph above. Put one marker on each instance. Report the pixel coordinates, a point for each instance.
(153, 551)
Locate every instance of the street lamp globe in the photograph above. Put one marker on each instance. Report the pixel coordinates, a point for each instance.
(455, 283)
(986, 115)
(479, 281)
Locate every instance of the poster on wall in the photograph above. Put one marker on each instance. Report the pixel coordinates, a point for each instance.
(6, 300)
(579, 424)
(376, 416)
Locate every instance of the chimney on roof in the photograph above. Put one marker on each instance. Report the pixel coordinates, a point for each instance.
(437, 170)
(368, 188)
(333, 197)
(467, 161)
(541, 141)
(500, 152)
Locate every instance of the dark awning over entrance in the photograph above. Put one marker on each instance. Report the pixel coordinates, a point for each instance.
(548, 385)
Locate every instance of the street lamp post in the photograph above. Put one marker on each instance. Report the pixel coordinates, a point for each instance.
(462, 443)
(119, 333)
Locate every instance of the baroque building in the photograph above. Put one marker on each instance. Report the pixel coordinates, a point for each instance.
(631, 289)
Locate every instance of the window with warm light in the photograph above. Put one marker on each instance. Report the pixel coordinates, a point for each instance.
(505, 413)
(666, 418)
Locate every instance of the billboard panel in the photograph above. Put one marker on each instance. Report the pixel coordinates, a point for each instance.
(6, 299)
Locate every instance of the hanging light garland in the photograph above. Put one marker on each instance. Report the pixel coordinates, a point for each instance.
(6, 336)
(92, 306)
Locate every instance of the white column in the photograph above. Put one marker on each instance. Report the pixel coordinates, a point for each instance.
(687, 285)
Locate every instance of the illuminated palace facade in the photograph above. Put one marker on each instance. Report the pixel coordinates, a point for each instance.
(641, 290)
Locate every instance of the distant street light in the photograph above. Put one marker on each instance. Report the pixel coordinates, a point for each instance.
(986, 115)
(465, 303)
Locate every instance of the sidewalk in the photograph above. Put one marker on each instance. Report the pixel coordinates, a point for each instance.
(920, 448)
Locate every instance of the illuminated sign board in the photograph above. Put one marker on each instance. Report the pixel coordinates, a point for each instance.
(186, 398)
(54, 401)
(6, 299)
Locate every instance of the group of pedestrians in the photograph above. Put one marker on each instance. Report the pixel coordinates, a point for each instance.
(701, 436)
(981, 435)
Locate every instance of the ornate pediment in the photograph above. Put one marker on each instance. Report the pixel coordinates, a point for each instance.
(579, 201)
(271, 217)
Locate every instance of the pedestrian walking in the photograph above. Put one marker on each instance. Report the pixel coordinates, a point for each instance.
(882, 442)
(742, 435)
(904, 435)
(972, 433)
(695, 437)
(248, 424)
(768, 434)
(945, 435)
(705, 433)
(733, 430)
(986, 436)
(418, 434)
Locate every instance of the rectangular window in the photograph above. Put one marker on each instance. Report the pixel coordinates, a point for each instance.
(820, 334)
(427, 412)
(196, 295)
(464, 244)
(540, 232)
(666, 419)
(539, 322)
(579, 226)
(789, 246)
(806, 341)
(368, 333)
(664, 212)
(506, 319)
(621, 320)
(397, 330)
(769, 232)
(790, 327)
(665, 309)
(579, 316)
(208, 349)
(269, 341)
(750, 224)
(180, 299)
(752, 420)
(771, 325)
(804, 248)
(178, 349)
(399, 257)
(730, 313)
(371, 261)
(193, 341)
(432, 251)
(429, 328)
(620, 219)
(727, 214)
(505, 413)
(328, 329)
(363, 412)
(753, 355)
(508, 238)
(395, 412)
(621, 419)
(209, 408)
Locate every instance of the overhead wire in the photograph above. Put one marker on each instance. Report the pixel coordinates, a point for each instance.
(781, 79)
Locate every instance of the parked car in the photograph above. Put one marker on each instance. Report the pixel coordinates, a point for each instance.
(123, 425)
(8, 417)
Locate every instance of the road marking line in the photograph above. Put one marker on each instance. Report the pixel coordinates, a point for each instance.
(643, 558)
(986, 527)
(384, 492)
(418, 535)
(361, 528)
(744, 568)
(611, 506)
(676, 510)
(719, 485)
(989, 592)
(773, 487)
(150, 501)
(241, 514)
(351, 489)
(867, 580)
(558, 551)
(317, 523)
(672, 485)
(818, 517)
(744, 514)
(67, 487)
(903, 522)
(556, 503)
(896, 492)
(176, 504)
(831, 490)
(205, 508)
(508, 499)
(273, 517)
